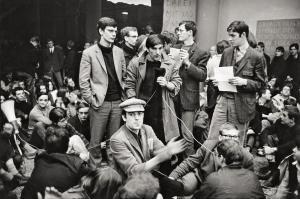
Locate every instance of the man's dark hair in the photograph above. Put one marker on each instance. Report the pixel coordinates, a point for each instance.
(57, 114)
(57, 140)
(239, 27)
(142, 185)
(294, 45)
(39, 94)
(221, 45)
(154, 40)
(263, 91)
(261, 44)
(168, 37)
(231, 151)
(106, 21)
(35, 39)
(49, 39)
(189, 25)
(14, 91)
(293, 112)
(280, 48)
(82, 105)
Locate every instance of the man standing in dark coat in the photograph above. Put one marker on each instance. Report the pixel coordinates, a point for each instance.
(53, 59)
(192, 71)
(293, 68)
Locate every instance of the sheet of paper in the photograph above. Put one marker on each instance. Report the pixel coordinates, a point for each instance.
(222, 75)
(174, 52)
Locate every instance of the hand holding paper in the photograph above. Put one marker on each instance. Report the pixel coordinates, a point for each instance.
(222, 76)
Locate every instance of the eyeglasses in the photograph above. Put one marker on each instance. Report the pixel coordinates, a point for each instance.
(230, 136)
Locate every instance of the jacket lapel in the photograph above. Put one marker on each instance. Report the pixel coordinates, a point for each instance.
(192, 49)
(117, 64)
(100, 58)
(243, 62)
(134, 143)
(142, 66)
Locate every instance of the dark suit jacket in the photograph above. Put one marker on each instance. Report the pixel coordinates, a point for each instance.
(250, 67)
(232, 182)
(54, 60)
(189, 92)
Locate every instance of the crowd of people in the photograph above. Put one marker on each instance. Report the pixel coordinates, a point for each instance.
(145, 116)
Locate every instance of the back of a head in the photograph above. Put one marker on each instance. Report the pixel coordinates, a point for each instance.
(57, 114)
(169, 37)
(57, 140)
(102, 183)
(139, 186)
(231, 151)
(222, 45)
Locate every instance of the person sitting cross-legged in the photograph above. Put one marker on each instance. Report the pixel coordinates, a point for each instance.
(232, 180)
(193, 171)
(135, 147)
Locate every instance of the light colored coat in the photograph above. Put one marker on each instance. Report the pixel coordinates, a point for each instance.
(130, 158)
(93, 77)
(135, 75)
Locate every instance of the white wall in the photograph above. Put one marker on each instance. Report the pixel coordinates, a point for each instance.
(253, 10)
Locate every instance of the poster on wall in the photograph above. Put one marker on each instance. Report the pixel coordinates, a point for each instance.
(176, 11)
(274, 33)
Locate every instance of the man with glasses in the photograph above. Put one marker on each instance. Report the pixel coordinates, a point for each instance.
(101, 83)
(192, 71)
(130, 36)
(193, 171)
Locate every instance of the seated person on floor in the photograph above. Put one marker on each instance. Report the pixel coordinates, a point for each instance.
(193, 171)
(142, 185)
(55, 167)
(231, 180)
(81, 121)
(40, 112)
(77, 143)
(135, 147)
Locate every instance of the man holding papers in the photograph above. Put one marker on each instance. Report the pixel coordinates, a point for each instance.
(236, 104)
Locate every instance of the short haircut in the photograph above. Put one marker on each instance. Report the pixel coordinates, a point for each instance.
(39, 94)
(227, 126)
(169, 37)
(125, 31)
(293, 112)
(14, 91)
(142, 185)
(102, 182)
(230, 150)
(239, 27)
(189, 25)
(56, 140)
(57, 114)
(154, 40)
(35, 39)
(106, 21)
(294, 45)
(82, 104)
(280, 48)
(222, 45)
(263, 91)
(70, 44)
(49, 39)
(261, 44)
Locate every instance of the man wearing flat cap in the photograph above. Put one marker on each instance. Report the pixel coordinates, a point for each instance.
(135, 147)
